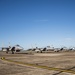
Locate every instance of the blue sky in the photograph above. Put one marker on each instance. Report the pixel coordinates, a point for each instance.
(37, 23)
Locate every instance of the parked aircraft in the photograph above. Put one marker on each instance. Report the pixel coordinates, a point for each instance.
(16, 48)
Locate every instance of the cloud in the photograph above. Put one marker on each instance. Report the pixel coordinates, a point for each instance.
(69, 39)
(40, 20)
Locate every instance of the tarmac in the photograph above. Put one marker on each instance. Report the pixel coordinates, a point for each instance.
(37, 64)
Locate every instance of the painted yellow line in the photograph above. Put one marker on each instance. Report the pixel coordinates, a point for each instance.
(39, 66)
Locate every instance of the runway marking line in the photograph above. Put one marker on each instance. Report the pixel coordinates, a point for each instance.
(40, 66)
